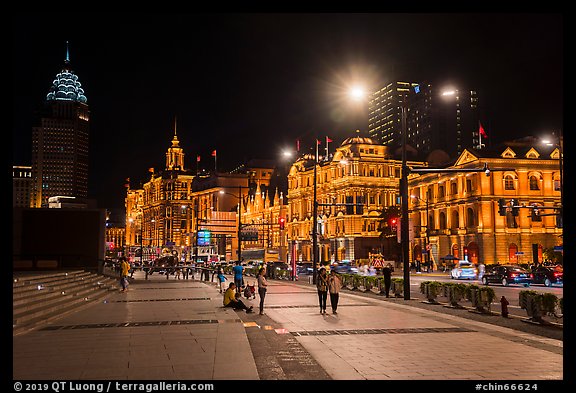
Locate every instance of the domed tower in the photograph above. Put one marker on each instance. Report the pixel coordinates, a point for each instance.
(60, 140)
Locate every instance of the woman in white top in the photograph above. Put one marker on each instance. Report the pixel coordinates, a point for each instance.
(262, 284)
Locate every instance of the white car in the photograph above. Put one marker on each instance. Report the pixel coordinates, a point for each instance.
(464, 270)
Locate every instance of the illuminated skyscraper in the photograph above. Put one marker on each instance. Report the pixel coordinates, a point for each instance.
(60, 141)
(436, 119)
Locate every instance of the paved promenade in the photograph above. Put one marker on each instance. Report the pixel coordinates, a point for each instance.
(178, 330)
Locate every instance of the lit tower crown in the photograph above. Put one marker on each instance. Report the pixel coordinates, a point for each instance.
(175, 154)
(66, 85)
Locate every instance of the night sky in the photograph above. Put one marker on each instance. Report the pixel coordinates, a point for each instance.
(250, 85)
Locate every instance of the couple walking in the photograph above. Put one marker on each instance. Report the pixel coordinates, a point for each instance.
(328, 283)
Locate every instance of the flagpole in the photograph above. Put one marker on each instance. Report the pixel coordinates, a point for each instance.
(215, 168)
(479, 140)
(326, 159)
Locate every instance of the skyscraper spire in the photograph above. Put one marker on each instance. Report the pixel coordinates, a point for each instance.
(175, 119)
(67, 53)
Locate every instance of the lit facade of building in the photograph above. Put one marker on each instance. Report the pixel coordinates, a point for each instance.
(60, 141)
(362, 172)
(22, 185)
(462, 209)
(265, 214)
(174, 205)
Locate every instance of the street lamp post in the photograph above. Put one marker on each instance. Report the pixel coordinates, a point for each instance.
(427, 238)
(404, 231)
(315, 222)
(239, 196)
(560, 163)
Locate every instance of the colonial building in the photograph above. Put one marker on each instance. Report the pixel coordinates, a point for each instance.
(354, 187)
(462, 210)
(198, 215)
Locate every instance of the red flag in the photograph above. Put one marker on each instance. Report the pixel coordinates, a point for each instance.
(482, 132)
(197, 158)
(328, 140)
(318, 142)
(214, 153)
(151, 170)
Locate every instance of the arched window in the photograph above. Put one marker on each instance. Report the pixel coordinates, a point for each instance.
(509, 182)
(473, 252)
(534, 183)
(442, 220)
(470, 218)
(455, 223)
(440, 191)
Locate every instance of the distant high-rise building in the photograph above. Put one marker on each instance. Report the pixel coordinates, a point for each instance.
(60, 141)
(447, 120)
(21, 185)
(385, 112)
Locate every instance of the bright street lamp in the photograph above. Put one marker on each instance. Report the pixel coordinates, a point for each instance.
(357, 93)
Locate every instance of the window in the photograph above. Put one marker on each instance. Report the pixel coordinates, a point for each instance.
(471, 218)
(534, 183)
(509, 182)
(442, 220)
(455, 220)
(556, 183)
(440, 191)
(453, 188)
(468, 185)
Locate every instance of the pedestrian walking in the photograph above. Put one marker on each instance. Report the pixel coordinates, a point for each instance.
(322, 286)
(238, 276)
(334, 285)
(387, 273)
(481, 270)
(262, 286)
(124, 271)
(221, 278)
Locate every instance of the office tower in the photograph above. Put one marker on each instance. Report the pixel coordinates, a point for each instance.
(60, 141)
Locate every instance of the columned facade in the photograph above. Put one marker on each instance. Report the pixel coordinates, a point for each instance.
(463, 208)
(354, 187)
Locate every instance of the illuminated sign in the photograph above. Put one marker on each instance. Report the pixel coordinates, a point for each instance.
(204, 237)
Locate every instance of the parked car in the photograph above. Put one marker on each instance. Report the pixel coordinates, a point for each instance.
(548, 275)
(507, 274)
(464, 270)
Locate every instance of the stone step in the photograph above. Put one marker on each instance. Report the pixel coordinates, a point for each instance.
(27, 283)
(26, 313)
(42, 320)
(35, 295)
(34, 292)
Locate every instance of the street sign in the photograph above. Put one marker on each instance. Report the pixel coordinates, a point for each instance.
(519, 252)
(559, 248)
(170, 244)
